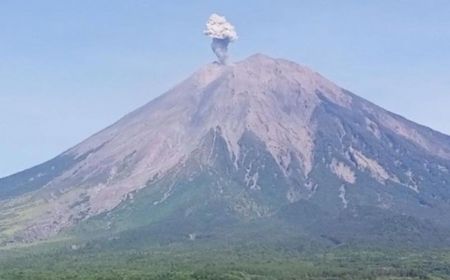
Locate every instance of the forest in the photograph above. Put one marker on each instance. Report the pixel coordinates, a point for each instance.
(245, 262)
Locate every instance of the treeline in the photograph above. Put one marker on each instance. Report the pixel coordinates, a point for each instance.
(233, 264)
(211, 275)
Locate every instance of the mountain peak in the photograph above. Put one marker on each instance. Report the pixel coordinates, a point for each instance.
(265, 133)
(259, 57)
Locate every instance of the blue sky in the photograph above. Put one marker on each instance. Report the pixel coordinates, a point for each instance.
(70, 68)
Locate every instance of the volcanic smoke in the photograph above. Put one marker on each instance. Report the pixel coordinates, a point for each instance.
(222, 33)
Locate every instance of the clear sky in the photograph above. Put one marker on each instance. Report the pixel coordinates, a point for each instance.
(70, 68)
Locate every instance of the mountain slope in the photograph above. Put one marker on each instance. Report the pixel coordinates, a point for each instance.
(260, 142)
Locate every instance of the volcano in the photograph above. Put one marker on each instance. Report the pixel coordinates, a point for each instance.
(261, 149)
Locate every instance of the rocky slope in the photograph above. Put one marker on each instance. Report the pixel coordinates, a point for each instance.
(260, 141)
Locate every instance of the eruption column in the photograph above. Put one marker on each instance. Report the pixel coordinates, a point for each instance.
(222, 34)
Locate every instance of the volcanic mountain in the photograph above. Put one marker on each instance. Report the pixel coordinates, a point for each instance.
(260, 148)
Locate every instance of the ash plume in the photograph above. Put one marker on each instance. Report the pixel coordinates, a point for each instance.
(222, 34)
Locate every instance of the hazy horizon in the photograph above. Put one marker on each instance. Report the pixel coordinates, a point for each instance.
(69, 69)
